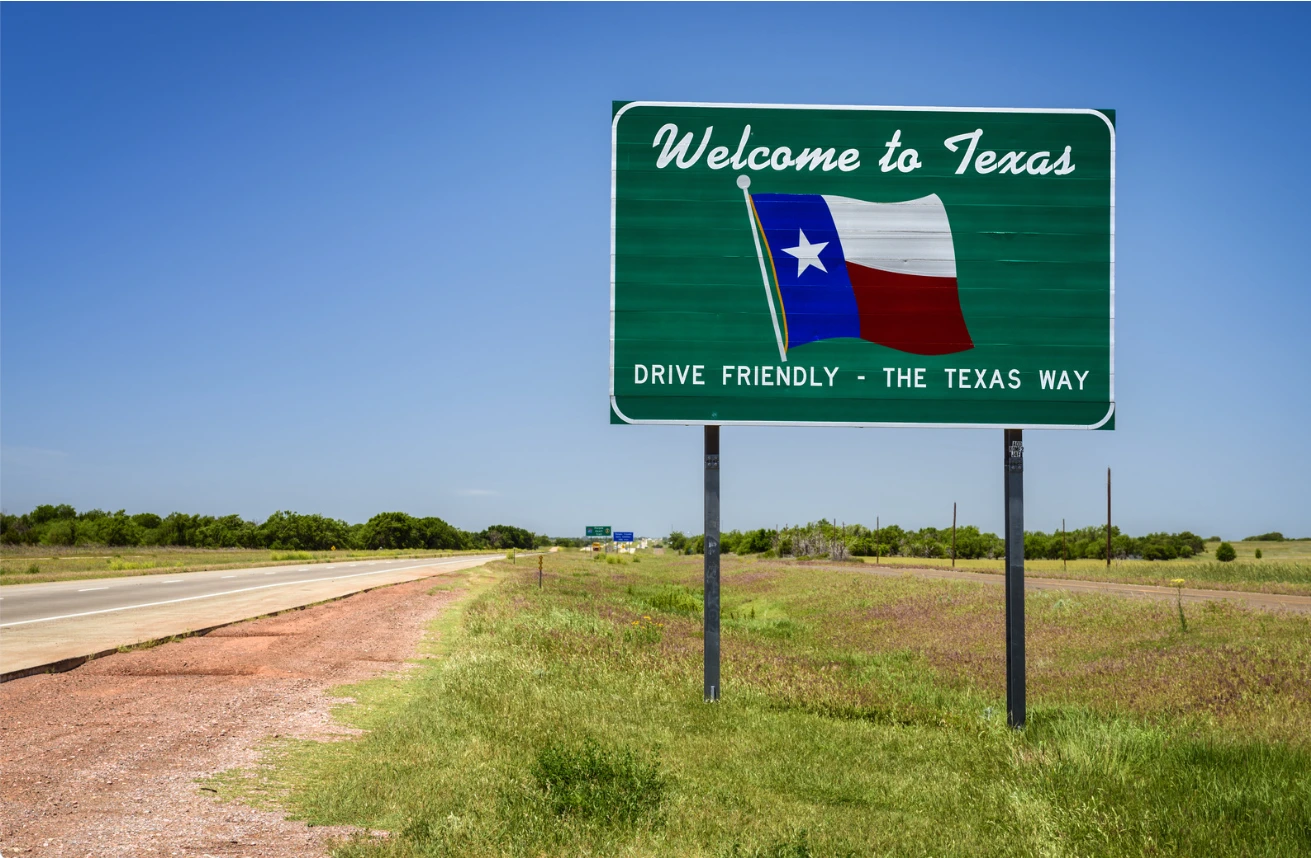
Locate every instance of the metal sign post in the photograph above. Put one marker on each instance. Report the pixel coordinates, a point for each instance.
(712, 565)
(1014, 464)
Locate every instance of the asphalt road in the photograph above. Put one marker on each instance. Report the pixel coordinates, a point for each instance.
(28, 604)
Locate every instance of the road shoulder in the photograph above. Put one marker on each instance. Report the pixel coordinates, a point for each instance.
(105, 759)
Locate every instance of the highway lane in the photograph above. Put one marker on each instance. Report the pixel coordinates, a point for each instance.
(26, 604)
(60, 625)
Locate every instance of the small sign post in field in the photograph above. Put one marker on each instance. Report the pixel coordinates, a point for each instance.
(812, 265)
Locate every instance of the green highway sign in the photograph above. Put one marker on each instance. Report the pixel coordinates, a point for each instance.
(862, 266)
(598, 530)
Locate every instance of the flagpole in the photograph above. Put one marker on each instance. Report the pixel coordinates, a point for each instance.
(744, 182)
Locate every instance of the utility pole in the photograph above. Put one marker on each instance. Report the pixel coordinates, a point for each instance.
(539, 571)
(953, 534)
(878, 534)
(1108, 518)
(1065, 552)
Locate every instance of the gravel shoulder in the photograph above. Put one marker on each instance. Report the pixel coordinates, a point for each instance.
(104, 760)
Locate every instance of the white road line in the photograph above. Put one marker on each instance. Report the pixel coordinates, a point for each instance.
(231, 592)
(270, 573)
(227, 576)
(89, 589)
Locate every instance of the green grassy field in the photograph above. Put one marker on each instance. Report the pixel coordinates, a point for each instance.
(1285, 567)
(21, 564)
(861, 716)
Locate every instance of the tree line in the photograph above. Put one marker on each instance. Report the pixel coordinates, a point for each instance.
(838, 541)
(284, 530)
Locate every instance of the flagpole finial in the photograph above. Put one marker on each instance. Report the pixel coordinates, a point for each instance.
(744, 182)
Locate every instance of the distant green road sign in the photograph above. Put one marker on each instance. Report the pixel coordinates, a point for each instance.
(862, 266)
(598, 530)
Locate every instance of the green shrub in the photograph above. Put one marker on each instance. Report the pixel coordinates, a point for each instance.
(676, 600)
(1258, 554)
(1272, 536)
(599, 784)
(1225, 552)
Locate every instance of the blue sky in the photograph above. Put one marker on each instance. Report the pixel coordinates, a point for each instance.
(344, 258)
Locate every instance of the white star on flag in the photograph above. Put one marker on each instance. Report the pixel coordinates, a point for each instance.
(807, 254)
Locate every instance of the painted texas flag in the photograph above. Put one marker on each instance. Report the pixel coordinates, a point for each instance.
(883, 272)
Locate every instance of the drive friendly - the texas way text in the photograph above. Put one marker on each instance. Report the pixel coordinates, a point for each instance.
(794, 376)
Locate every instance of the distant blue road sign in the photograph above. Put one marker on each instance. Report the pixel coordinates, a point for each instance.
(621, 536)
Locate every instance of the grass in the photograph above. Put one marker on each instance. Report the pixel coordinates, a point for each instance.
(292, 555)
(861, 716)
(21, 564)
(601, 785)
(1284, 568)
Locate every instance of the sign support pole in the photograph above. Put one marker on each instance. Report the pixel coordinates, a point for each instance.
(1014, 459)
(712, 687)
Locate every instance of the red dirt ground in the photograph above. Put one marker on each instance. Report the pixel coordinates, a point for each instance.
(103, 760)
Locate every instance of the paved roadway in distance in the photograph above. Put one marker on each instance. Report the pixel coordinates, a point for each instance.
(44, 623)
(21, 604)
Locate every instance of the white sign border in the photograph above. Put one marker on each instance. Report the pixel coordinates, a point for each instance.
(614, 171)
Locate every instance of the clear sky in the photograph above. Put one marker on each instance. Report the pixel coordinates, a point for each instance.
(345, 259)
